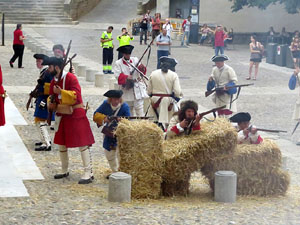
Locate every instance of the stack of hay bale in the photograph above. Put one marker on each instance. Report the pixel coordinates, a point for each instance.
(186, 154)
(140, 147)
(258, 169)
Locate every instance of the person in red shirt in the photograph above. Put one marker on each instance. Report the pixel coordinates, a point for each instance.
(2, 97)
(18, 46)
(219, 40)
(155, 26)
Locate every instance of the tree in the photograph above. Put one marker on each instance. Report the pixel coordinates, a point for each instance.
(291, 6)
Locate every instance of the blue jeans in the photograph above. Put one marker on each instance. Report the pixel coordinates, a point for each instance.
(203, 38)
(161, 53)
(219, 48)
(187, 35)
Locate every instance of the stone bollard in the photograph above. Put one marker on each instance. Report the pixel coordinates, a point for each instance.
(90, 75)
(81, 71)
(284, 162)
(38, 49)
(111, 83)
(44, 51)
(29, 44)
(119, 188)
(225, 186)
(75, 65)
(99, 80)
(33, 47)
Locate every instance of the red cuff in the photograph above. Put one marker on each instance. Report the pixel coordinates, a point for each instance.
(259, 140)
(197, 127)
(175, 130)
(122, 78)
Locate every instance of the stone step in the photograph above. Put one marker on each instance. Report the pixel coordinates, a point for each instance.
(38, 22)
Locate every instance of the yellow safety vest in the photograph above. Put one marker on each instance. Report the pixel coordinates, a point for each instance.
(105, 36)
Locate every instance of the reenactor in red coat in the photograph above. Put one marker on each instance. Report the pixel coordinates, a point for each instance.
(71, 123)
(2, 97)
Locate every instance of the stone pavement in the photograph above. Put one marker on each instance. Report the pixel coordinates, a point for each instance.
(64, 202)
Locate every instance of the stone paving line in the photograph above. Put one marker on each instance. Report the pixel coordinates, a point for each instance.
(64, 202)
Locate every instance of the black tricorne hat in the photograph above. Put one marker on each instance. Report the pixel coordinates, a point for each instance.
(240, 117)
(168, 60)
(219, 58)
(53, 61)
(126, 49)
(40, 56)
(114, 94)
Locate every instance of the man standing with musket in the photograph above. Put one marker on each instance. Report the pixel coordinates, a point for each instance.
(164, 90)
(223, 76)
(182, 119)
(130, 81)
(71, 124)
(41, 93)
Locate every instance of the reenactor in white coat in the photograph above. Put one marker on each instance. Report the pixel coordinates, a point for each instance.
(164, 90)
(129, 80)
(223, 76)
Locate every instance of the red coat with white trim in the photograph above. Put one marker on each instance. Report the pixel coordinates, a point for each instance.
(74, 130)
(174, 128)
(2, 96)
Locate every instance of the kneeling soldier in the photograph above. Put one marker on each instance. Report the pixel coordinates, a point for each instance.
(113, 106)
(181, 121)
(247, 134)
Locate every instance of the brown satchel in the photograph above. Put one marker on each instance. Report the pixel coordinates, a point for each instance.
(108, 131)
(157, 103)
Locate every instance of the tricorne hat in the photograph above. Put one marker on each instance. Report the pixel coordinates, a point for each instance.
(219, 58)
(126, 49)
(240, 117)
(114, 94)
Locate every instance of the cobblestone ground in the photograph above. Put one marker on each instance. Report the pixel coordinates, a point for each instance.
(65, 202)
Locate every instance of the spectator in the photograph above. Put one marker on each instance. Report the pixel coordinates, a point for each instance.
(124, 39)
(143, 32)
(284, 36)
(18, 46)
(219, 40)
(155, 26)
(296, 33)
(205, 30)
(168, 27)
(148, 18)
(163, 42)
(186, 28)
(271, 35)
(295, 49)
(228, 38)
(256, 49)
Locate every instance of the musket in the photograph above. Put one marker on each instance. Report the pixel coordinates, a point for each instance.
(267, 130)
(214, 110)
(110, 118)
(296, 127)
(87, 107)
(208, 93)
(70, 60)
(52, 97)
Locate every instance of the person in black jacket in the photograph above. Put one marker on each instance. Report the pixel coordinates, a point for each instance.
(144, 28)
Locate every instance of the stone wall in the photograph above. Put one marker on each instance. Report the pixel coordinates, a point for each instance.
(77, 8)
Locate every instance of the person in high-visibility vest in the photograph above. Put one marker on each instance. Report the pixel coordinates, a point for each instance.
(124, 39)
(108, 50)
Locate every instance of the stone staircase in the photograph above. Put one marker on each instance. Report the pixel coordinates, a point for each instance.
(34, 12)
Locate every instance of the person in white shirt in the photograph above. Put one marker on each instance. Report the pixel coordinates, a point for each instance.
(168, 27)
(186, 28)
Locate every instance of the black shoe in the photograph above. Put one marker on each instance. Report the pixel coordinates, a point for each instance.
(43, 148)
(110, 72)
(51, 128)
(107, 177)
(22, 67)
(86, 181)
(61, 175)
(11, 64)
(38, 143)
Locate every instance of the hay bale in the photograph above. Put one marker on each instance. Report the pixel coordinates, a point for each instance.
(185, 154)
(140, 146)
(258, 169)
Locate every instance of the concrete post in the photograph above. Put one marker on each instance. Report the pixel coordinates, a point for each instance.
(111, 83)
(99, 80)
(119, 188)
(29, 44)
(33, 47)
(81, 71)
(38, 49)
(90, 75)
(44, 51)
(225, 186)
